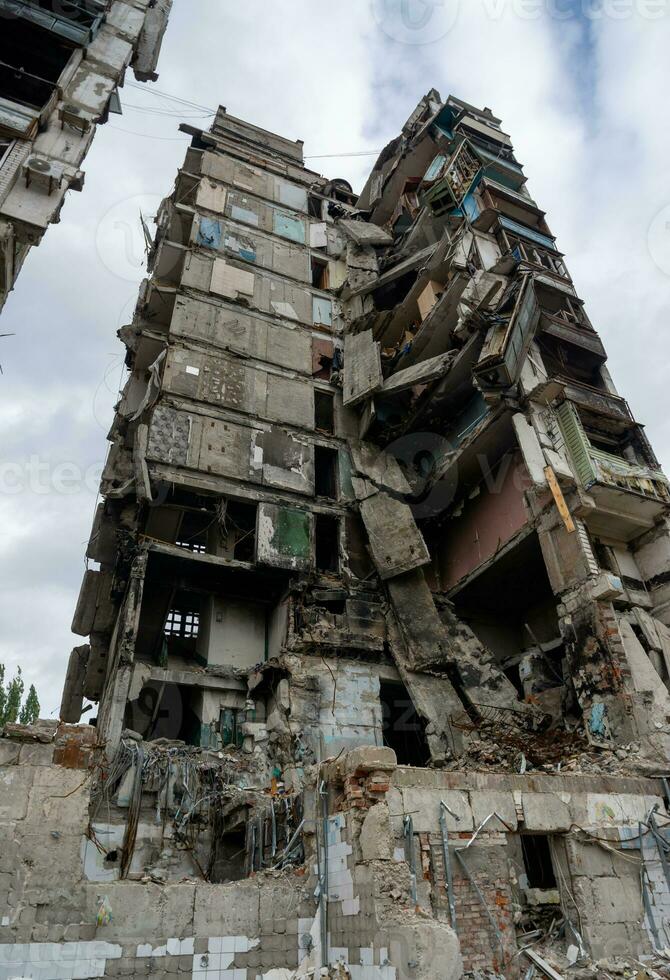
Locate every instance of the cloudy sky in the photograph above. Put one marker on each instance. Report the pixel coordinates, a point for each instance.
(581, 85)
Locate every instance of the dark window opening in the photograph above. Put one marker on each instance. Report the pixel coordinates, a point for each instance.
(327, 534)
(324, 411)
(358, 555)
(514, 677)
(320, 273)
(607, 445)
(325, 472)
(337, 607)
(323, 355)
(563, 360)
(238, 529)
(229, 857)
(78, 12)
(192, 534)
(31, 62)
(604, 556)
(315, 207)
(164, 710)
(537, 861)
(404, 731)
(391, 295)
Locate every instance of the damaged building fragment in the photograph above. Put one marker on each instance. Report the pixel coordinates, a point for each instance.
(376, 613)
(62, 63)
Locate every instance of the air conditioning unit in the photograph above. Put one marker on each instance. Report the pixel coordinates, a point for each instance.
(72, 115)
(43, 173)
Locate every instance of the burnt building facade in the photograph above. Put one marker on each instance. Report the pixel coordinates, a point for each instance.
(377, 600)
(61, 66)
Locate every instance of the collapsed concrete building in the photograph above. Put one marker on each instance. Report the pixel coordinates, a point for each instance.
(377, 606)
(61, 65)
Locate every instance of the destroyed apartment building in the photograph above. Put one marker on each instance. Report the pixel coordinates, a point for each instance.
(61, 65)
(377, 606)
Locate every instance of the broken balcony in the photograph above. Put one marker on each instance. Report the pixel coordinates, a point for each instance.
(491, 202)
(74, 22)
(522, 248)
(519, 625)
(611, 462)
(155, 306)
(510, 334)
(336, 621)
(168, 264)
(502, 169)
(449, 179)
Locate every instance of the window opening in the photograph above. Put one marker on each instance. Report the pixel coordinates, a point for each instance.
(325, 472)
(403, 729)
(327, 535)
(320, 273)
(324, 411)
(315, 207)
(183, 623)
(537, 861)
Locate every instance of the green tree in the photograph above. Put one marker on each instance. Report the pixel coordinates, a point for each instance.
(12, 708)
(30, 711)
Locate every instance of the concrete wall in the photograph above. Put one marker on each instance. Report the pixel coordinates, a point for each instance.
(579, 814)
(54, 923)
(488, 520)
(233, 633)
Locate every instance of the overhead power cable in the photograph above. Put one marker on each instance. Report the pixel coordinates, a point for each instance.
(211, 112)
(158, 113)
(148, 136)
(353, 153)
(173, 98)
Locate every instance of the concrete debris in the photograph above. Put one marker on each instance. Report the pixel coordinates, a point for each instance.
(379, 622)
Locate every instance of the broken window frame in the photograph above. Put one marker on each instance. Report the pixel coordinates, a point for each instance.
(547, 875)
(315, 207)
(329, 457)
(406, 721)
(324, 398)
(334, 565)
(250, 532)
(194, 540)
(320, 262)
(182, 623)
(532, 254)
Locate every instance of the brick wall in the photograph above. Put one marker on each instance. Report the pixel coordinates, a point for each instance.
(480, 947)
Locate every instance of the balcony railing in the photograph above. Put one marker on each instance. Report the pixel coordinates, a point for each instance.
(76, 20)
(452, 180)
(596, 466)
(599, 401)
